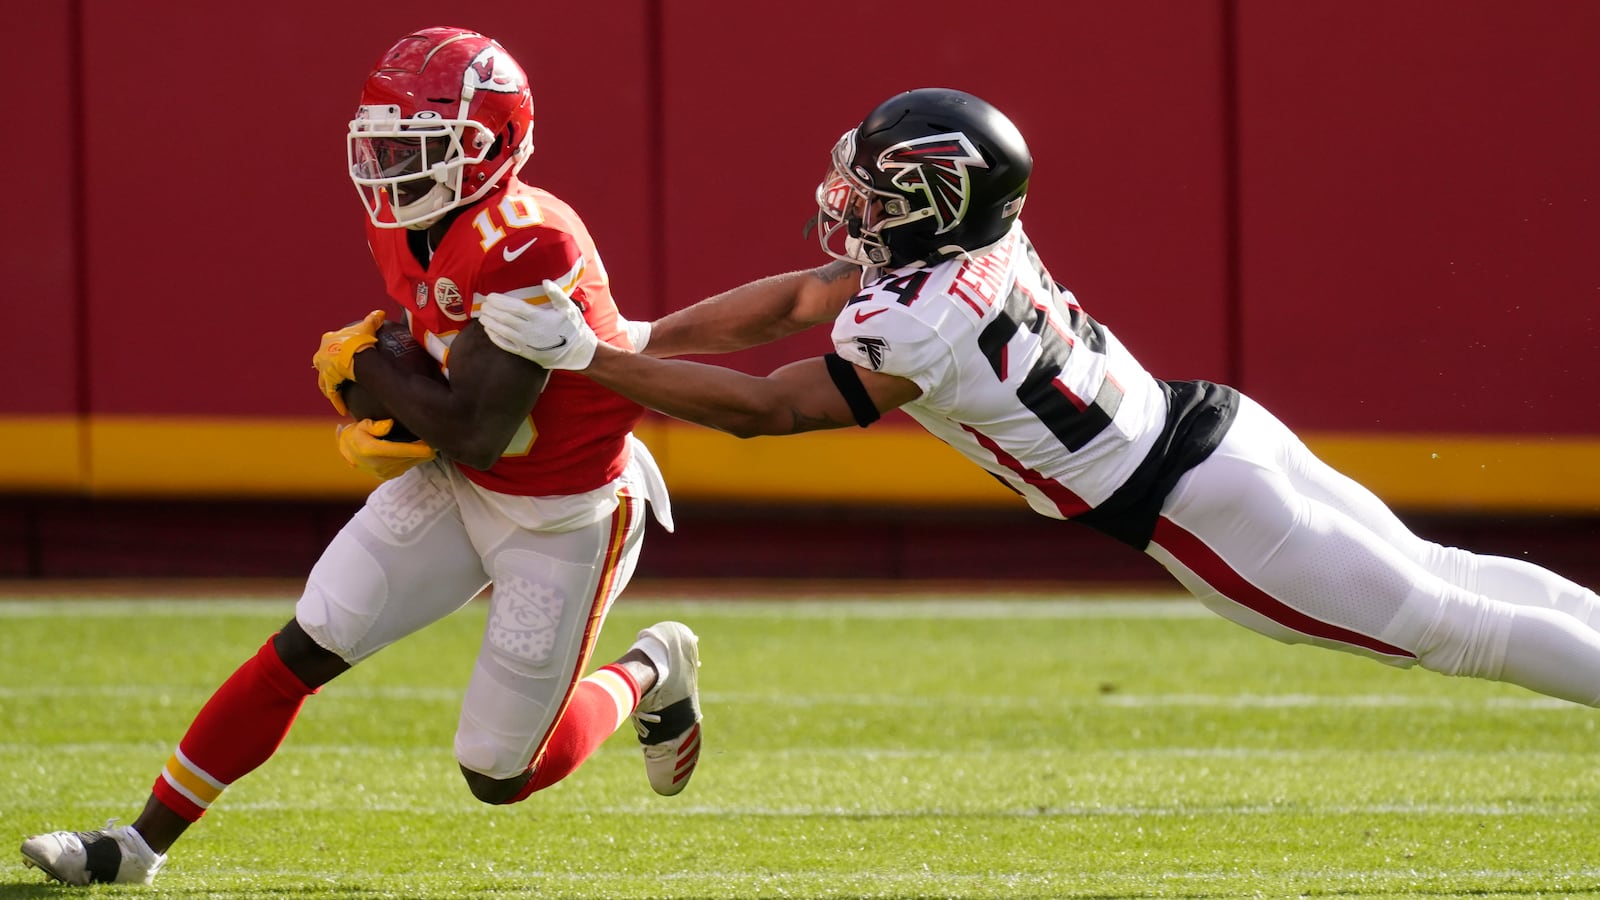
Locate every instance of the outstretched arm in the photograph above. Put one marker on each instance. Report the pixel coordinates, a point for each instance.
(823, 392)
(759, 312)
(801, 396)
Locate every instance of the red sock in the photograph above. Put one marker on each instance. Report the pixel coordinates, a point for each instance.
(238, 729)
(599, 706)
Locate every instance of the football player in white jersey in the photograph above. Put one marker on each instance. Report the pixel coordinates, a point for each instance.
(956, 321)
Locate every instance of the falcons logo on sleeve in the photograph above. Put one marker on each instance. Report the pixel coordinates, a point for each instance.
(873, 348)
(936, 166)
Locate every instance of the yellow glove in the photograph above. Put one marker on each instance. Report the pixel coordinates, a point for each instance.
(363, 447)
(335, 358)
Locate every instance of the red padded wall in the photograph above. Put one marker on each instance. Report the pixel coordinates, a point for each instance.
(1420, 205)
(223, 234)
(1378, 217)
(1417, 200)
(39, 260)
(1121, 104)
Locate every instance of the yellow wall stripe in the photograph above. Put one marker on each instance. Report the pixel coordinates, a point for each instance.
(42, 454)
(1462, 473)
(294, 458)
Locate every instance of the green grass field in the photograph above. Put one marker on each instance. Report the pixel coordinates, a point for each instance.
(1004, 746)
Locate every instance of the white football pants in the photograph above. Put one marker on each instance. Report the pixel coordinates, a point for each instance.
(427, 542)
(1270, 537)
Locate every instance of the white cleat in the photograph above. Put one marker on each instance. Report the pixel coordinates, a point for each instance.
(110, 855)
(668, 715)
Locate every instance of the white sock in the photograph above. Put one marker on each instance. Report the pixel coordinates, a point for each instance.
(656, 651)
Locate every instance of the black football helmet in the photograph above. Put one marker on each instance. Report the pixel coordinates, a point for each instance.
(930, 173)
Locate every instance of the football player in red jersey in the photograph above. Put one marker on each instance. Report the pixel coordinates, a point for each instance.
(955, 320)
(528, 480)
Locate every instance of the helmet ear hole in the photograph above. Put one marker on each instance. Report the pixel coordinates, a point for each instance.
(494, 153)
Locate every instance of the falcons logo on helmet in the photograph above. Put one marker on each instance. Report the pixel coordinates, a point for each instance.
(936, 166)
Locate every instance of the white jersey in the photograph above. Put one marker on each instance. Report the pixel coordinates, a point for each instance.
(1014, 374)
(1205, 481)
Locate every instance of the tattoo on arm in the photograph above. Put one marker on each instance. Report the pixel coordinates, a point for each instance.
(838, 270)
(799, 421)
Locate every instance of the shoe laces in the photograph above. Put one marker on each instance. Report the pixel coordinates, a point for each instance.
(640, 718)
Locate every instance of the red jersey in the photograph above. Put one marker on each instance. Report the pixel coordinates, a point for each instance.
(509, 243)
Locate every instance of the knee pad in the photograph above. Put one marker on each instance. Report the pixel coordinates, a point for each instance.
(331, 625)
(1467, 636)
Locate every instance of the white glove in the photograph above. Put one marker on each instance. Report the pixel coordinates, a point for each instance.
(551, 333)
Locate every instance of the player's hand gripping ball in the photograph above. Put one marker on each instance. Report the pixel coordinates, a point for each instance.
(366, 445)
(394, 340)
(335, 356)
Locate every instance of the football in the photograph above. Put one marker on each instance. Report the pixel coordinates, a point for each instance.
(395, 342)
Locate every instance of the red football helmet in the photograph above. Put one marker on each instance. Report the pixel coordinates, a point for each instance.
(445, 115)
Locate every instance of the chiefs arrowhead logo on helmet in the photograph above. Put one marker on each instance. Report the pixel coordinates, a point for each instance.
(492, 70)
(936, 166)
